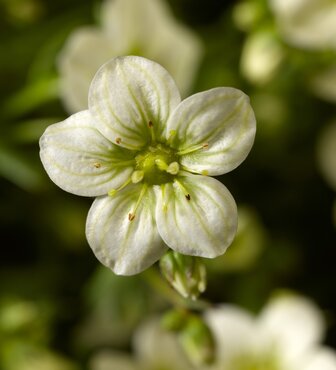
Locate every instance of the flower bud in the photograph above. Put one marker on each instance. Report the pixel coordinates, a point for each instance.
(186, 274)
(197, 341)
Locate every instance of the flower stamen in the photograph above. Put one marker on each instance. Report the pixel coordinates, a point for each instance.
(97, 165)
(173, 168)
(151, 130)
(184, 190)
(172, 134)
(137, 176)
(131, 215)
(193, 149)
(114, 191)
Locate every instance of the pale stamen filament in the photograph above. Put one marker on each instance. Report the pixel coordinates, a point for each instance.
(172, 134)
(114, 191)
(193, 149)
(151, 130)
(131, 215)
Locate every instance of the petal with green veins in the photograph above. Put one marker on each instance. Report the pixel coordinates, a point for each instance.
(127, 246)
(220, 119)
(128, 96)
(196, 215)
(80, 160)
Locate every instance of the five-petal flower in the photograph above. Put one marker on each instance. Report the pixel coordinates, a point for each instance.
(145, 155)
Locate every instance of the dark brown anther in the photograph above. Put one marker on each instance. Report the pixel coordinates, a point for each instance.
(150, 124)
(118, 140)
(131, 216)
(188, 196)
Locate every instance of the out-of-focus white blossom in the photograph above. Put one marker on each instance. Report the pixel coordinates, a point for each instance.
(261, 56)
(309, 24)
(285, 336)
(128, 27)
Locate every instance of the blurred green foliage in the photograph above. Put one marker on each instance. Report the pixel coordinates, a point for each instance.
(57, 306)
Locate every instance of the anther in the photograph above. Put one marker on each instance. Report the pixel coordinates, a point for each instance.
(188, 196)
(205, 172)
(173, 168)
(137, 176)
(97, 165)
(131, 216)
(150, 124)
(118, 140)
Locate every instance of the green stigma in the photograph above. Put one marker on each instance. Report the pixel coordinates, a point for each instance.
(158, 164)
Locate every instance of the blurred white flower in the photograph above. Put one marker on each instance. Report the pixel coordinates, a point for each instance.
(146, 155)
(308, 24)
(285, 336)
(129, 27)
(155, 348)
(261, 57)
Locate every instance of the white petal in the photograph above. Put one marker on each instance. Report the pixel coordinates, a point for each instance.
(234, 330)
(127, 94)
(203, 226)
(85, 51)
(82, 161)
(294, 322)
(223, 119)
(130, 24)
(127, 247)
(323, 359)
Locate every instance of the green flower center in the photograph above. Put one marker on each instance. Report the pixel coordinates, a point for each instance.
(158, 164)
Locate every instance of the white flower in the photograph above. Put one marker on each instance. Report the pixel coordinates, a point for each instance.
(145, 155)
(308, 24)
(285, 336)
(129, 27)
